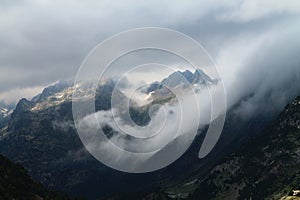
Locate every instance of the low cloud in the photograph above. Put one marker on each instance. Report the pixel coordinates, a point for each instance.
(64, 126)
(262, 73)
(136, 148)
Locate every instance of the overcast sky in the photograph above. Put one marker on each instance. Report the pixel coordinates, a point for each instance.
(43, 41)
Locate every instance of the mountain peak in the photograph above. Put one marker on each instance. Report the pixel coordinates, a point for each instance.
(23, 105)
(187, 77)
(51, 90)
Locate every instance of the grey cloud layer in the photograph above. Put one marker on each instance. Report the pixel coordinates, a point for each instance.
(45, 41)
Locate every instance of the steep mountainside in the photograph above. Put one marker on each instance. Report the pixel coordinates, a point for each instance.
(267, 167)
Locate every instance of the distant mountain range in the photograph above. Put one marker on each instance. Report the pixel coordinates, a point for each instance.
(40, 135)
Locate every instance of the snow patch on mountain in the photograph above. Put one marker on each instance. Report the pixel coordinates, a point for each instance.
(4, 112)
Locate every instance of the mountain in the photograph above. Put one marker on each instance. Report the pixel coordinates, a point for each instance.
(164, 91)
(183, 80)
(52, 90)
(41, 136)
(187, 77)
(15, 183)
(266, 167)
